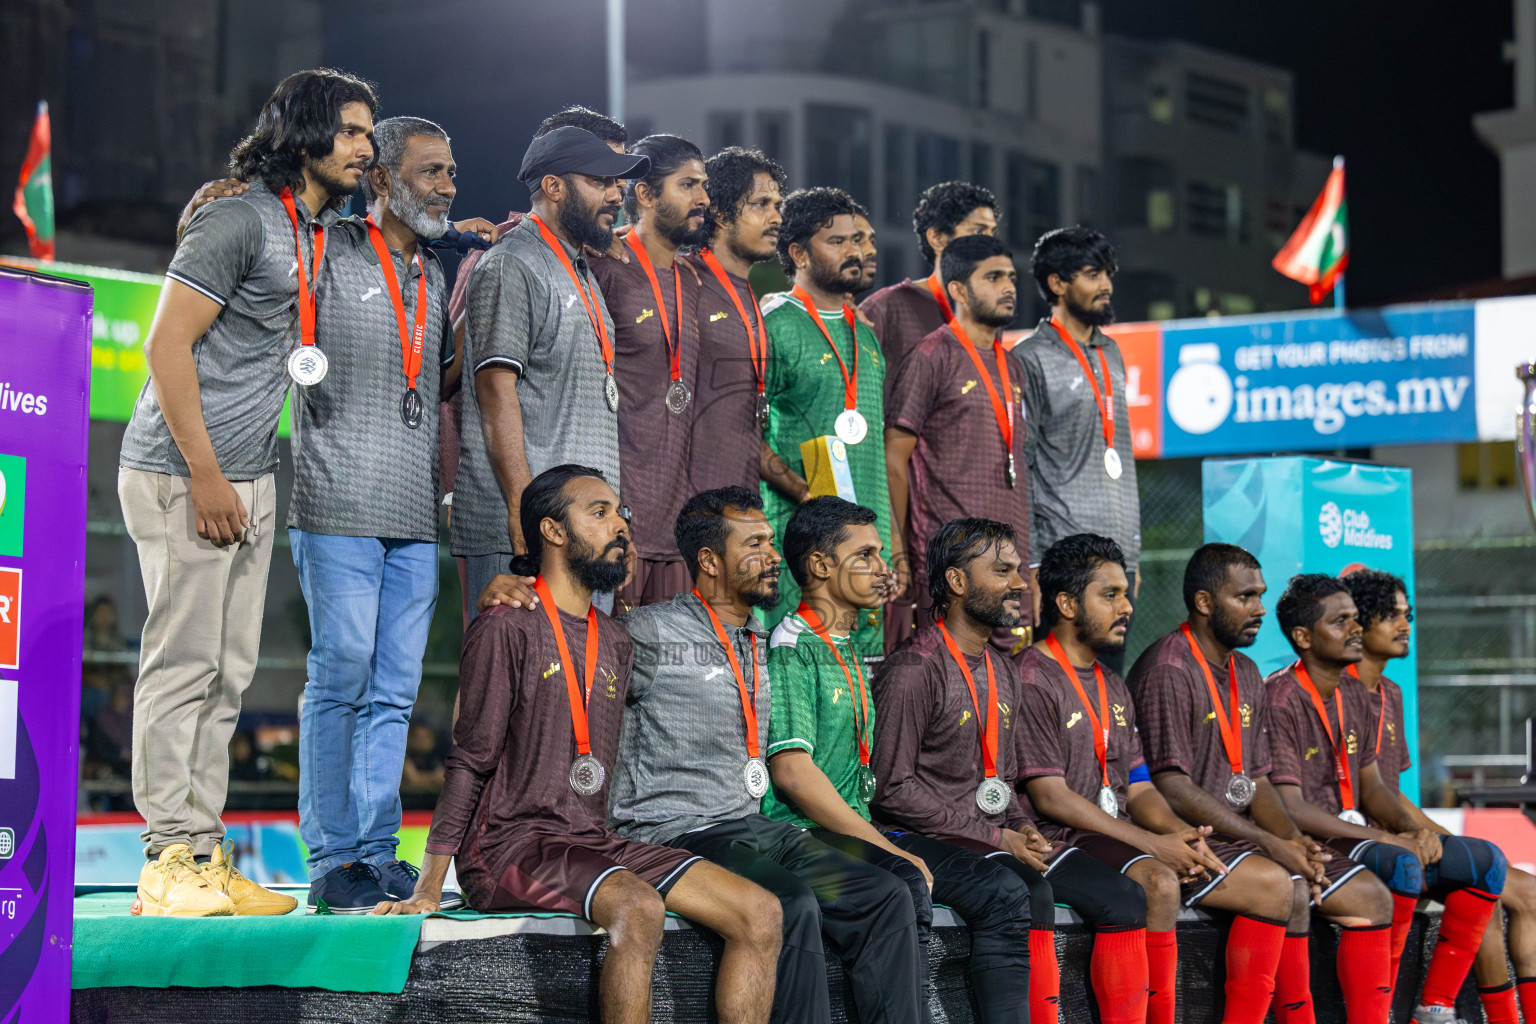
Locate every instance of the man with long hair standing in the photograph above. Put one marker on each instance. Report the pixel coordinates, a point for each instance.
(196, 471)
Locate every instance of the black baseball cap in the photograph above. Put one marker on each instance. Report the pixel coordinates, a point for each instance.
(572, 150)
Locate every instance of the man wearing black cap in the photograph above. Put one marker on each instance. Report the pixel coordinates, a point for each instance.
(539, 390)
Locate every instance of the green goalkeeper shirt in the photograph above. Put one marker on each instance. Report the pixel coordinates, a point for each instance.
(812, 710)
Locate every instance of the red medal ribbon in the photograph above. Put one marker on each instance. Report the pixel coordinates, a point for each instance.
(593, 314)
(1354, 670)
(936, 287)
(675, 350)
(850, 383)
(1001, 409)
(410, 344)
(1340, 756)
(1100, 719)
(748, 709)
(989, 733)
(1229, 722)
(859, 699)
(573, 688)
(306, 293)
(757, 344)
(1106, 400)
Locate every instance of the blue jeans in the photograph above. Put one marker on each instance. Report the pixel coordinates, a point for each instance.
(370, 606)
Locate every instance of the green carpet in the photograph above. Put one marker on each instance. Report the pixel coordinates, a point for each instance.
(347, 953)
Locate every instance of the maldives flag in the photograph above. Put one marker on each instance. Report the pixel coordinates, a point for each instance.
(1318, 251)
(34, 190)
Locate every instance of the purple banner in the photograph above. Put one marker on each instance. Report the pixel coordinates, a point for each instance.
(45, 350)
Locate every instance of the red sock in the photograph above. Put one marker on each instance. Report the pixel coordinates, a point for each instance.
(1402, 920)
(1044, 977)
(1118, 972)
(1365, 956)
(1526, 988)
(1162, 976)
(1461, 933)
(1253, 955)
(1499, 1004)
(1293, 983)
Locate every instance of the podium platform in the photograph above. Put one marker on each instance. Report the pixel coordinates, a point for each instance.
(519, 969)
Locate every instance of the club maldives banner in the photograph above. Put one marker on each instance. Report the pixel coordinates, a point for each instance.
(45, 328)
(1317, 515)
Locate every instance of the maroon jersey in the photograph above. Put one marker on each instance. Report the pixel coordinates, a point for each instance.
(653, 441)
(927, 754)
(1055, 734)
(507, 782)
(1299, 749)
(1392, 758)
(959, 467)
(1177, 721)
(727, 444)
(903, 314)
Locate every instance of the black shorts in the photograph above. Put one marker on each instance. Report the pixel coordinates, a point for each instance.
(1120, 856)
(563, 872)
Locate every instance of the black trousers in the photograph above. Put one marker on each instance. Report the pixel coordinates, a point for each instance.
(993, 901)
(865, 915)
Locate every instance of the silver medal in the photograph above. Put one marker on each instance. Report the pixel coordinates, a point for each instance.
(1107, 802)
(410, 408)
(755, 773)
(760, 412)
(866, 783)
(587, 775)
(307, 365)
(611, 392)
(1112, 464)
(678, 397)
(992, 796)
(1239, 790)
(1352, 816)
(851, 426)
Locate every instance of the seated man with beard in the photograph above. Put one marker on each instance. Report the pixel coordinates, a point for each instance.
(524, 804)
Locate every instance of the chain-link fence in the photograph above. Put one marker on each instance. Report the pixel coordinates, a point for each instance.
(1475, 631)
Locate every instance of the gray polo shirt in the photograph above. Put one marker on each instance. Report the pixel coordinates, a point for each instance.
(1064, 447)
(524, 314)
(239, 252)
(683, 743)
(358, 470)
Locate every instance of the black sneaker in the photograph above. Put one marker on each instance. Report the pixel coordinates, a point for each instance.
(350, 889)
(398, 878)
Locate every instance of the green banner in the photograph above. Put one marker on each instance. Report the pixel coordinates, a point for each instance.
(125, 306)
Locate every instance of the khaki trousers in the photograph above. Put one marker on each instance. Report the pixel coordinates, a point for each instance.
(198, 654)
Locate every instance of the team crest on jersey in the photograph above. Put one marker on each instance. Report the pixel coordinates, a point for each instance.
(1352, 744)
(1077, 716)
(1392, 732)
(1119, 710)
(1246, 713)
(836, 694)
(1310, 752)
(645, 314)
(554, 667)
(610, 678)
(1007, 716)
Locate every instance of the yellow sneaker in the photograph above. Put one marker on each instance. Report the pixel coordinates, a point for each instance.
(173, 885)
(248, 897)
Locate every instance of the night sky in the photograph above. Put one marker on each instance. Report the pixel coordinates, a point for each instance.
(1392, 87)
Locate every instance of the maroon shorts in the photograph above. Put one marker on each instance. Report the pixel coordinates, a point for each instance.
(563, 872)
(1120, 856)
(1341, 869)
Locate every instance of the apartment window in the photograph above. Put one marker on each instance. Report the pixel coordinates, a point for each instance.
(899, 196)
(1485, 467)
(1143, 194)
(938, 159)
(1160, 103)
(725, 128)
(1216, 103)
(981, 164)
(1277, 117)
(1214, 211)
(1277, 221)
(773, 128)
(837, 147)
(1033, 199)
(1031, 80)
(983, 69)
(1087, 189)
